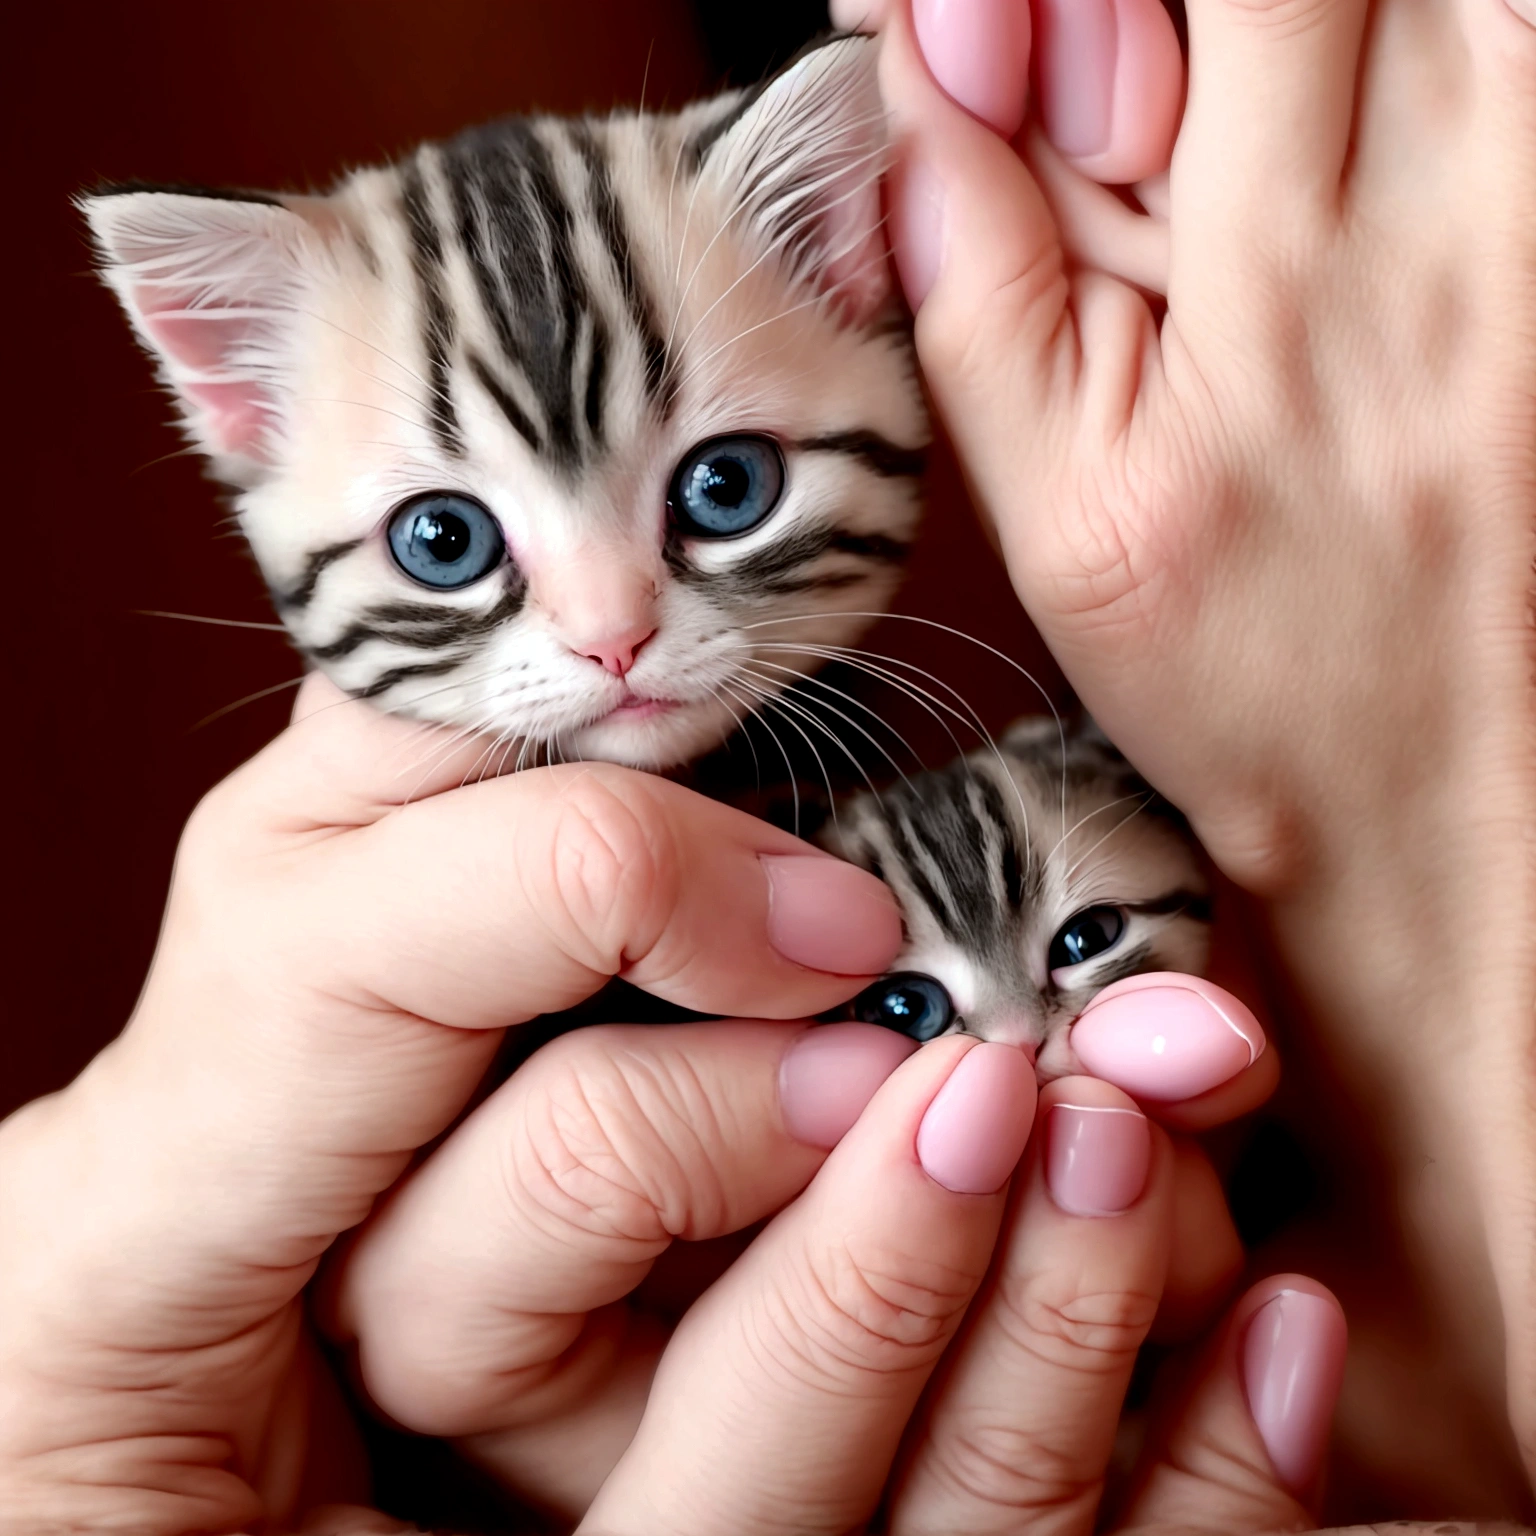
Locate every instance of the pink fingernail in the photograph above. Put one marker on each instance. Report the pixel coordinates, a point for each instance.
(974, 1131)
(978, 51)
(1166, 1037)
(1077, 47)
(917, 227)
(830, 1073)
(829, 916)
(1293, 1366)
(1096, 1158)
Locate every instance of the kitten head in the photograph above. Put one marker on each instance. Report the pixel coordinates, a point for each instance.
(586, 434)
(1028, 881)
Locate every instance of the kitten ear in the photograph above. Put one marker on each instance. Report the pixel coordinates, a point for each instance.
(803, 157)
(213, 285)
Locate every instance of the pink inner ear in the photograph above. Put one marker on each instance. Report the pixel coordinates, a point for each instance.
(858, 274)
(207, 351)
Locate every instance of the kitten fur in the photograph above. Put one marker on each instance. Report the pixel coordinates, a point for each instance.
(546, 315)
(994, 855)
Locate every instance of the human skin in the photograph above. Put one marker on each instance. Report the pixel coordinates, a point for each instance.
(1273, 536)
(351, 928)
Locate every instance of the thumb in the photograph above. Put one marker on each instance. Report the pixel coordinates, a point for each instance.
(1246, 1450)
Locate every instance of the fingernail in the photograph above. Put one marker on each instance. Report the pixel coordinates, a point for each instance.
(1096, 1158)
(1293, 1366)
(830, 1073)
(917, 233)
(1077, 47)
(1166, 1037)
(978, 51)
(830, 916)
(1524, 9)
(974, 1131)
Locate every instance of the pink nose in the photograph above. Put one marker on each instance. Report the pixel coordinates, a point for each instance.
(617, 653)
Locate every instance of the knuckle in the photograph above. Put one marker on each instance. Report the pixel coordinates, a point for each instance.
(1079, 1331)
(1017, 1468)
(1284, 18)
(613, 870)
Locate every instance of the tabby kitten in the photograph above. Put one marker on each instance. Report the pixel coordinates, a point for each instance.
(543, 431)
(1029, 879)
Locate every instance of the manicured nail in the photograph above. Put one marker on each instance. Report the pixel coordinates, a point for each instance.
(830, 1073)
(1096, 1158)
(829, 916)
(978, 51)
(974, 1131)
(1166, 1037)
(1293, 1366)
(917, 226)
(1524, 9)
(1077, 45)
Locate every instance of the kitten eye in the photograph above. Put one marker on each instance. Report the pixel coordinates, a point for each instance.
(727, 486)
(908, 1002)
(1087, 934)
(445, 541)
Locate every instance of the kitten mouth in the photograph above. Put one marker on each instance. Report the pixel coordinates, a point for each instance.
(635, 706)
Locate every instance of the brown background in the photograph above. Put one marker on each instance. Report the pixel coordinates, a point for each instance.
(107, 755)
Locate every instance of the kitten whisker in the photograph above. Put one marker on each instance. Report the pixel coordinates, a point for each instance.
(250, 698)
(773, 735)
(1077, 863)
(199, 618)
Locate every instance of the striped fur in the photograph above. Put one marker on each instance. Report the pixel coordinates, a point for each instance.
(547, 315)
(991, 856)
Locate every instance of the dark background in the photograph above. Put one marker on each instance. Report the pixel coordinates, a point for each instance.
(113, 742)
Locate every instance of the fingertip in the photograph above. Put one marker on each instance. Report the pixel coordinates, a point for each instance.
(978, 52)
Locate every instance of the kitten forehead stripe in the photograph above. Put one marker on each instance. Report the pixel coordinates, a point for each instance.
(437, 318)
(877, 453)
(660, 377)
(515, 227)
(517, 418)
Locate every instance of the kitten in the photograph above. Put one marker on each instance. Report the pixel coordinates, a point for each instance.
(1028, 880)
(548, 430)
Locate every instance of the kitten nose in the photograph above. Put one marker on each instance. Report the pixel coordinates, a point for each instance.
(616, 653)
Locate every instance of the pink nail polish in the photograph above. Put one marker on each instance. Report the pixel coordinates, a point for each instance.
(973, 1133)
(978, 51)
(1292, 1363)
(1096, 1158)
(829, 916)
(1166, 1037)
(917, 227)
(830, 1073)
(1077, 48)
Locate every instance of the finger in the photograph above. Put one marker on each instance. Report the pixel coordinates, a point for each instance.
(469, 1294)
(1111, 85)
(1246, 1449)
(1180, 1043)
(1271, 103)
(781, 1400)
(857, 15)
(1205, 1255)
(1019, 1433)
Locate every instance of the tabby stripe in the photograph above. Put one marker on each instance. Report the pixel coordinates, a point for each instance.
(519, 419)
(298, 596)
(516, 230)
(698, 147)
(1132, 963)
(387, 680)
(437, 318)
(1190, 904)
(425, 628)
(660, 378)
(875, 452)
(775, 568)
(597, 375)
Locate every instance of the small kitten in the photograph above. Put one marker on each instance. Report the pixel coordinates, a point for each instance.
(548, 431)
(1028, 880)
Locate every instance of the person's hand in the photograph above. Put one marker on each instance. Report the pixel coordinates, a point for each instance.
(351, 928)
(1280, 539)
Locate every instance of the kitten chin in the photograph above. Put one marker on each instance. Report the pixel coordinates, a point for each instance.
(560, 413)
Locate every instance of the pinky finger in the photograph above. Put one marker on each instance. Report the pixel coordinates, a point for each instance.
(1245, 1452)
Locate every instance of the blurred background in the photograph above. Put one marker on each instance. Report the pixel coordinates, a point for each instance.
(125, 720)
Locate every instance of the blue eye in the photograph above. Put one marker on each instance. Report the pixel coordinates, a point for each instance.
(727, 486)
(913, 1004)
(1087, 934)
(445, 541)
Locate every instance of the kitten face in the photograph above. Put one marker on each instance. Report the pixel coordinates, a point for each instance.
(1027, 885)
(558, 431)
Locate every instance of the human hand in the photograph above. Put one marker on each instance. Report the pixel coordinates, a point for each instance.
(1270, 535)
(349, 933)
